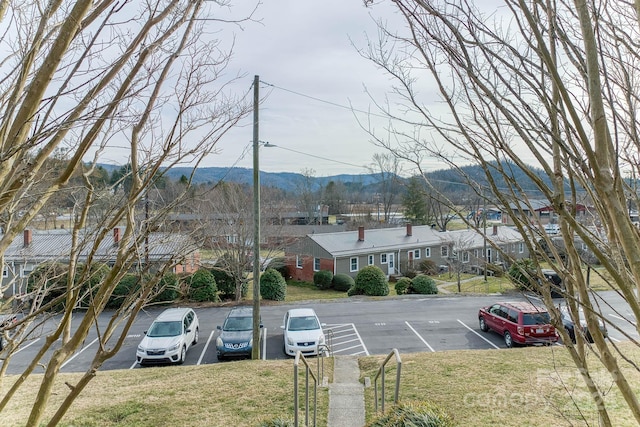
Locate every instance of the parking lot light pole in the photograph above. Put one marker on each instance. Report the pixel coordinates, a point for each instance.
(255, 350)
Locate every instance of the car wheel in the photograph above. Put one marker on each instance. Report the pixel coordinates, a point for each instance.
(483, 325)
(508, 340)
(196, 336)
(183, 355)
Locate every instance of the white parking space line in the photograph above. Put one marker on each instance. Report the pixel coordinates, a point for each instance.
(133, 365)
(614, 339)
(475, 332)
(78, 353)
(342, 333)
(26, 346)
(204, 350)
(421, 339)
(623, 319)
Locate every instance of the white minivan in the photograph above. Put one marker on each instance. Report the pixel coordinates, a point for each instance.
(169, 337)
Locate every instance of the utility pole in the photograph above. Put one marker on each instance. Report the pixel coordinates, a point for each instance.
(255, 350)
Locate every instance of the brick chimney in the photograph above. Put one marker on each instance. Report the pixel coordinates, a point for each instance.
(116, 235)
(495, 230)
(409, 230)
(28, 237)
(361, 233)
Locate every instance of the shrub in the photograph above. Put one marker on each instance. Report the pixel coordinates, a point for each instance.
(202, 286)
(413, 414)
(280, 264)
(322, 279)
(522, 274)
(371, 281)
(125, 286)
(410, 274)
(167, 289)
(272, 285)
(342, 282)
(429, 267)
(423, 284)
(225, 282)
(49, 280)
(403, 285)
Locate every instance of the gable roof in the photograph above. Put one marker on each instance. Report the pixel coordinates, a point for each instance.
(54, 245)
(392, 239)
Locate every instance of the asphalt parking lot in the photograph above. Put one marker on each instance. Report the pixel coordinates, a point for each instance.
(354, 327)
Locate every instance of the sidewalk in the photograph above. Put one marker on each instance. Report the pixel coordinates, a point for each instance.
(346, 394)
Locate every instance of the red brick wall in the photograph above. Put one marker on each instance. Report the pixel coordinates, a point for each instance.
(306, 272)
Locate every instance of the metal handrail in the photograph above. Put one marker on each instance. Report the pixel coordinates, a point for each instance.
(380, 373)
(308, 371)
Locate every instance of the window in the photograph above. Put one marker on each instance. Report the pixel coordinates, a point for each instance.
(298, 261)
(316, 264)
(5, 271)
(353, 262)
(416, 254)
(26, 270)
(427, 252)
(444, 251)
(232, 239)
(465, 256)
(370, 260)
(521, 247)
(383, 258)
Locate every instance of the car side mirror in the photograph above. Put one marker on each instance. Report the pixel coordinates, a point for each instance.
(261, 325)
(281, 326)
(187, 331)
(323, 324)
(145, 332)
(219, 327)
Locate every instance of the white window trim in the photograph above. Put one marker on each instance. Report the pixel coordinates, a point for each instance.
(385, 260)
(521, 247)
(427, 252)
(299, 263)
(465, 256)
(371, 260)
(351, 269)
(444, 251)
(314, 264)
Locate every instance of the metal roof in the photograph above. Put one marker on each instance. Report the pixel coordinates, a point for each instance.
(55, 245)
(347, 243)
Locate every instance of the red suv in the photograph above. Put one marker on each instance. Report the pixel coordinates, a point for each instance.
(518, 322)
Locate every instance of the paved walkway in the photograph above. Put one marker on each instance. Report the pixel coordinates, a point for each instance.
(346, 394)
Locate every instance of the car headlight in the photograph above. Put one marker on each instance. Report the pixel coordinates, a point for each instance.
(321, 339)
(289, 340)
(219, 342)
(141, 349)
(173, 347)
(251, 342)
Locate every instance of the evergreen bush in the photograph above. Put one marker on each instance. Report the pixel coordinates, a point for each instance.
(423, 284)
(371, 281)
(272, 285)
(403, 285)
(522, 273)
(225, 282)
(322, 279)
(167, 289)
(413, 414)
(202, 286)
(125, 286)
(280, 264)
(342, 282)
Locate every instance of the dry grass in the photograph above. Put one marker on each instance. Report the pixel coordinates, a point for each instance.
(477, 285)
(524, 386)
(241, 393)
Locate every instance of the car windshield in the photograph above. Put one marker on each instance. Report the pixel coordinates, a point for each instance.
(303, 323)
(238, 324)
(165, 329)
(536, 318)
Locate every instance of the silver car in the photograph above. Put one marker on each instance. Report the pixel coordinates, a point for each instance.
(169, 337)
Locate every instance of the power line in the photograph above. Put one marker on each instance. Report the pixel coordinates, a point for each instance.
(324, 101)
(314, 156)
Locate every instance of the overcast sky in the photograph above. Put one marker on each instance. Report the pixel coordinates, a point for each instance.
(302, 50)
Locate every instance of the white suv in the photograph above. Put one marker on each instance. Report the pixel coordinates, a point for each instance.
(173, 332)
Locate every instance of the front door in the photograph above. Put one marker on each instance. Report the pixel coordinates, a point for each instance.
(391, 265)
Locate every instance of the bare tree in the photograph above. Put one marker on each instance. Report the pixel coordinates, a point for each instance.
(549, 83)
(97, 78)
(387, 168)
